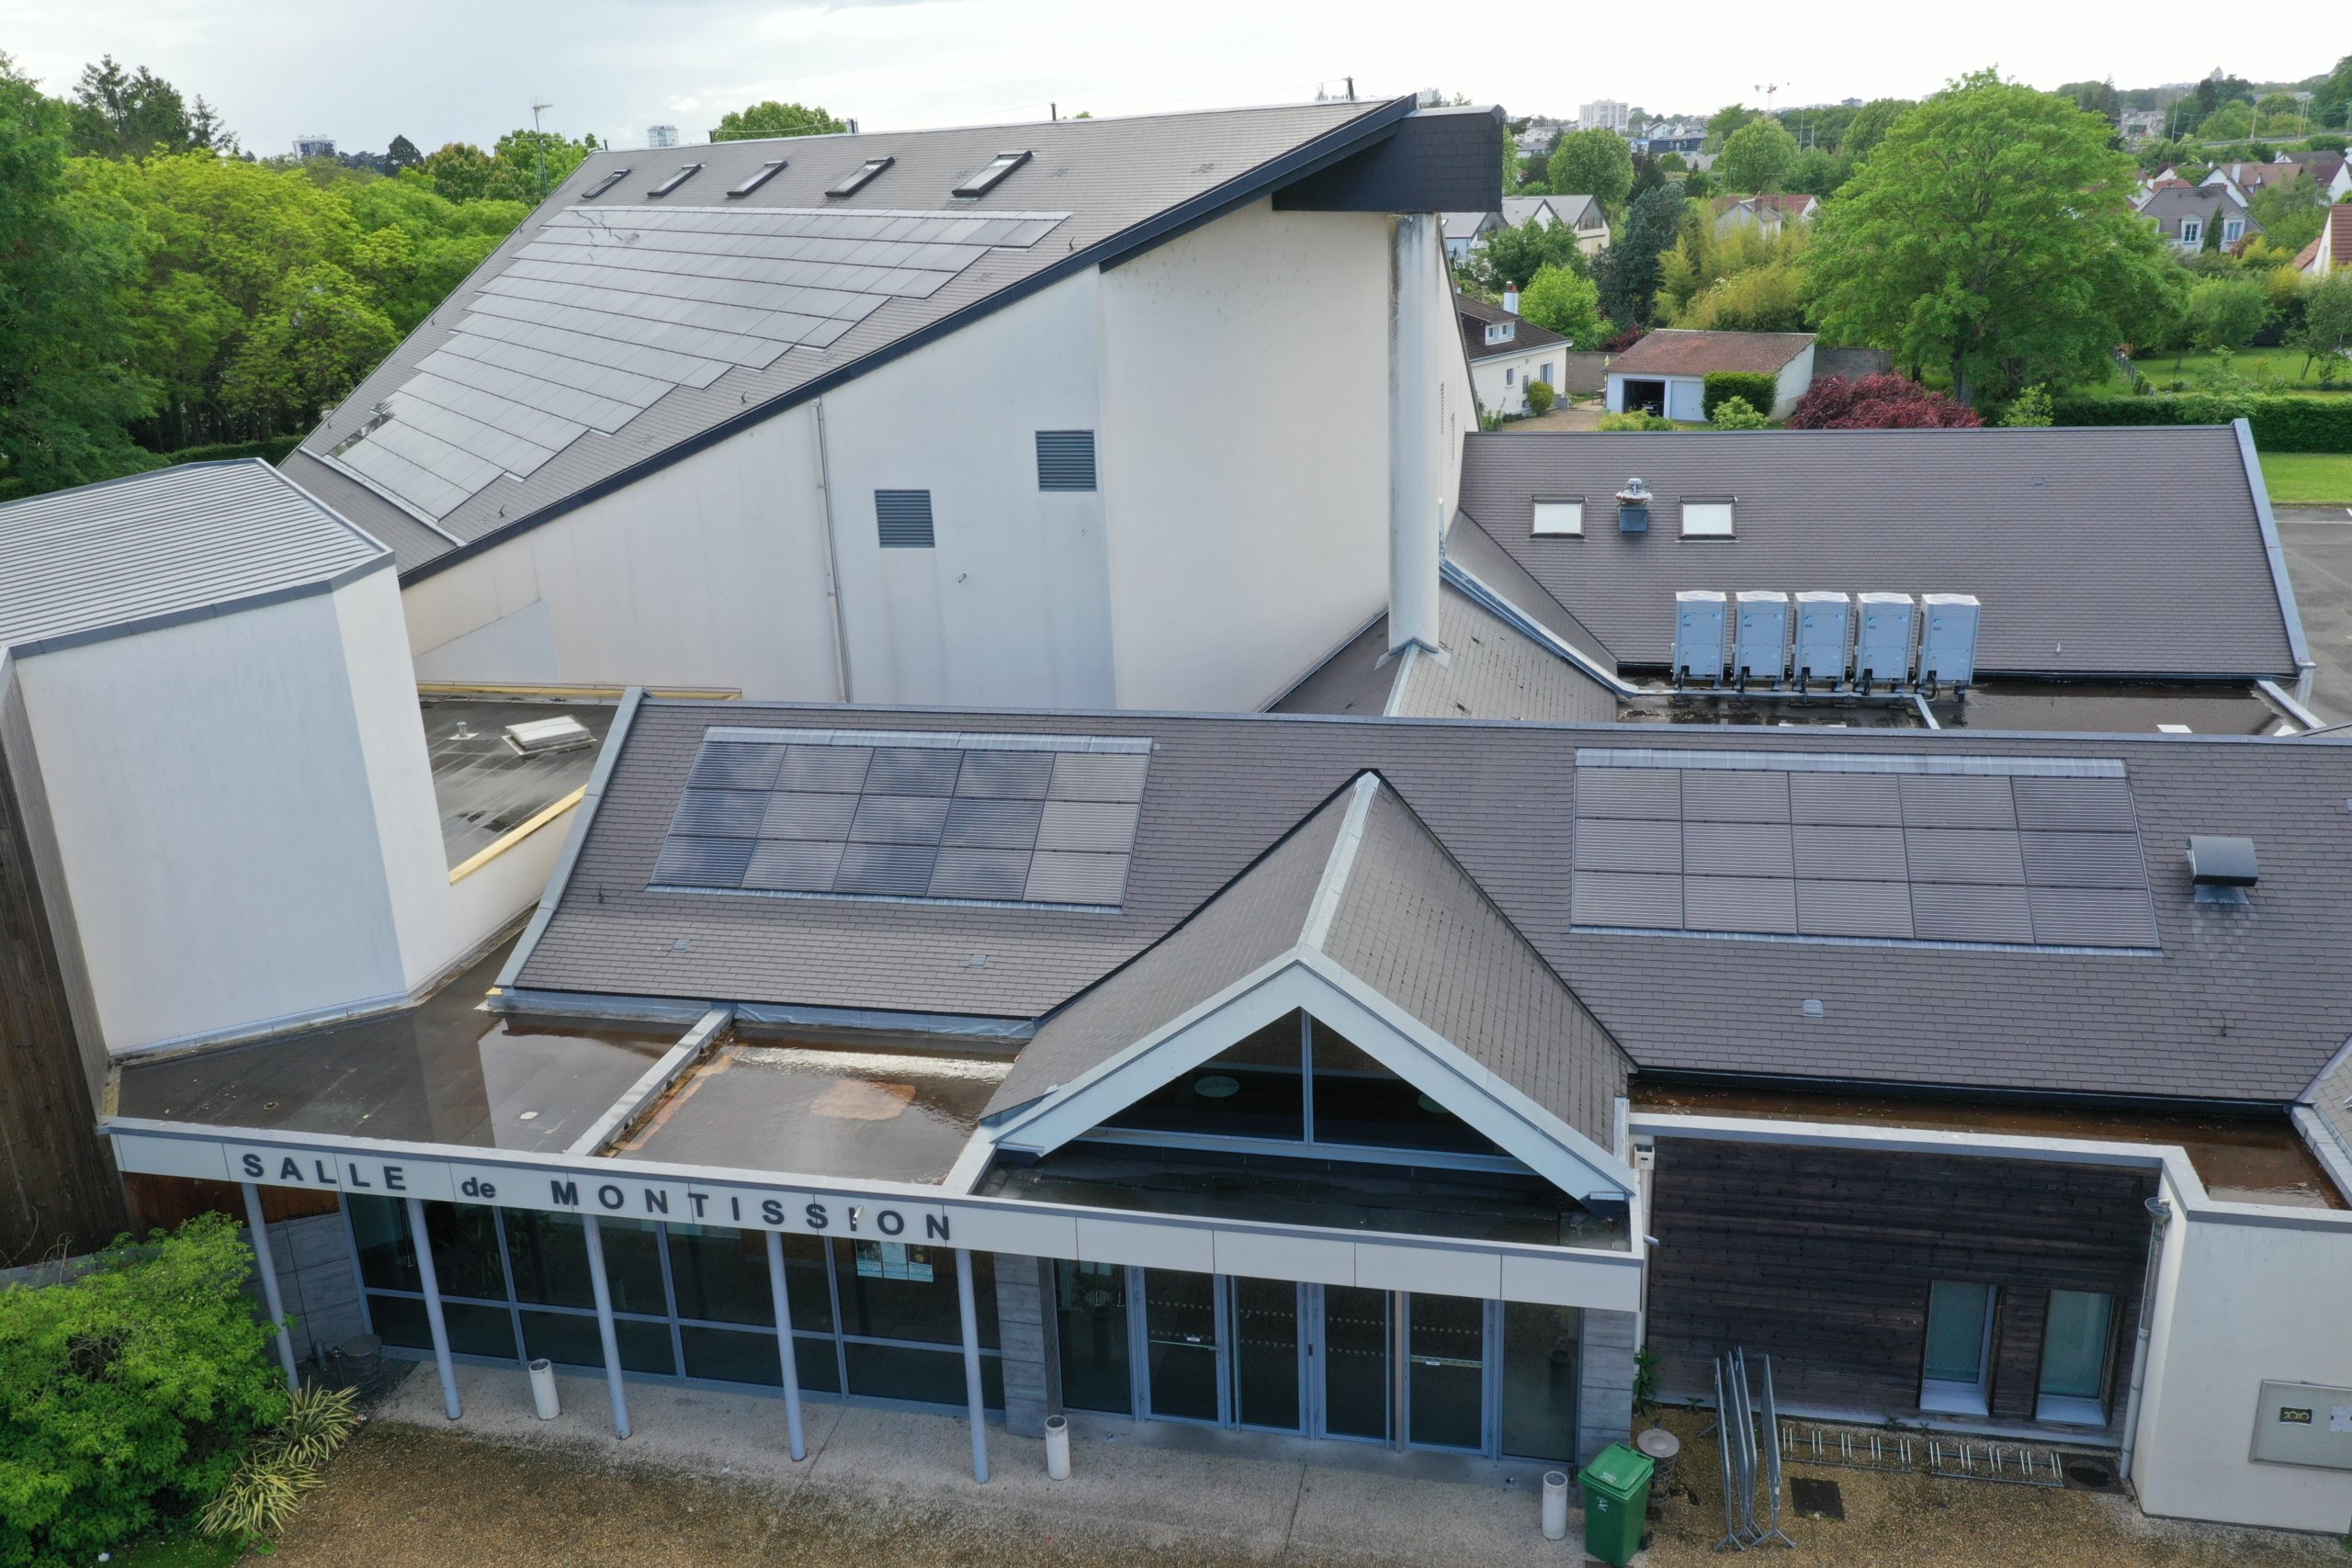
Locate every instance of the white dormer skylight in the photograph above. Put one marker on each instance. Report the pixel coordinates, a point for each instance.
(685, 173)
(756, 178)
(1501, 332)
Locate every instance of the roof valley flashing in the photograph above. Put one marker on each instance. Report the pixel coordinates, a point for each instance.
(506, 408)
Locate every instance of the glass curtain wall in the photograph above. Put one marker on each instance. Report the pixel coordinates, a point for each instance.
(690, 1303)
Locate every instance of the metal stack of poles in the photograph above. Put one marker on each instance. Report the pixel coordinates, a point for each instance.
(1744, 1461)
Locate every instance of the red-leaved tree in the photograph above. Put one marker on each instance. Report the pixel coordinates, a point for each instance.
(1878, 403)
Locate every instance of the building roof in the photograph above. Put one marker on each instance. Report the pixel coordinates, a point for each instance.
(1797, 201)
(1576, 211)
(2221, 1008)
(2095, 551)
(1468, 225)
(2336, 236)
(2252, 177)
(2171, 200)
(175, 544)
(1474, 315)
(1671, 351)
(616, 330)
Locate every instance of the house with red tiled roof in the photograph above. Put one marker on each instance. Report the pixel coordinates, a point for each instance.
(2333, 249)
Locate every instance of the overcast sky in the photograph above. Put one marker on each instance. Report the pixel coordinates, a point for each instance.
(467, 70)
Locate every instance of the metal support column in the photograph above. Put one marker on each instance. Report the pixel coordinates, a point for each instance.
(258, 1232)
(972, 1397)
(604, 1329)
(784, 1346)
(431, 1279)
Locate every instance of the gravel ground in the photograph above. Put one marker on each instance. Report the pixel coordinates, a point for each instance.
(1910, 1520)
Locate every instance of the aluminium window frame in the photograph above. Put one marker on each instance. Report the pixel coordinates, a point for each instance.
(1945, 1396)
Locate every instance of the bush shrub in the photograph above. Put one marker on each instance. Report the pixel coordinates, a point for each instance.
(1878, 403)
(2280, 423)
(2029, 408)
(129, 1396)
(267, 1486)
(1758, 391)
(1539, 397)
(273, 450)
(1624, 340)
(1635, 419)
(1737, 414)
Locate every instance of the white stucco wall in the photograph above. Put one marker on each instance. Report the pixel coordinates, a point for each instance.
(1244, 376)
(2244, 1295)
(215, 819)
(1497, 395)
(1795, 380)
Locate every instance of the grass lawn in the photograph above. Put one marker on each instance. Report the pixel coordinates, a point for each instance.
(179, 1548)
(2308, 478)
(2284, 365)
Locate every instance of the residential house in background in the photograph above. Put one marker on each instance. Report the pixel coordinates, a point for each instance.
(1462, 231)
(1539, 137)
(1682, 136)
(2330, 172)
(2333, 249)
(2189, 215)
(1665, 372)
(2326, 173)
(1581, 213)
(1768, 212)
(1506, 352)
(309, 147)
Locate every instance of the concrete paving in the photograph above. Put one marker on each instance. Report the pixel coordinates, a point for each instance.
(1157, 1485)
(2318, 563)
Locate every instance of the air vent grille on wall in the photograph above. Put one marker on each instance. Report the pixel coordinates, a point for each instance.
(1004, 818)
(902, 519)
(2008, 852)
(1065, 459)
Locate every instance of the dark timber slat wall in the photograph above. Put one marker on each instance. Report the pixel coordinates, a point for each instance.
(1823, 1257)
(58, 1186)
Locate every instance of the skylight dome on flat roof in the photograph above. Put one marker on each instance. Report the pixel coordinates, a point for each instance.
(990, 177)
(684, 173)
(990, 819)
(856, 179)
(756, 178)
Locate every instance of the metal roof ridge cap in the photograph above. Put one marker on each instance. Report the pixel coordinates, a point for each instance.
(1325, 905)
(2274, 550)
(1407, 663)
(568, 859)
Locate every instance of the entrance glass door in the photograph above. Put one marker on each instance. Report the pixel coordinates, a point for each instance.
(1355, 1362)
(1181, 1339)
(1265, 1353)
(1446, 1369)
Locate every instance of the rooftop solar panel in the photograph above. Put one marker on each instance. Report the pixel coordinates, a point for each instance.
(1005, 818)
(1877, 848)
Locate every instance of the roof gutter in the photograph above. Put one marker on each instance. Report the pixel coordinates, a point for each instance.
(1124, 245)
(2276, 553)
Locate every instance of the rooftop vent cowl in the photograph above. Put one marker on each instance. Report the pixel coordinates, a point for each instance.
(1633, 508)
(2217, 862)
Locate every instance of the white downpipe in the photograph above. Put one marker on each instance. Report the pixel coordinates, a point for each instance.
(788, 1361)
(604, 1329)
(1057, 1446)
(430, 1278)
(544, 1402)
(1414, 436)
(2160, 1214)
(832, 563)
(1555, 1504)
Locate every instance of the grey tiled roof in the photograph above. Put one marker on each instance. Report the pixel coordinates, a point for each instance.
(1352, 678)
(1474, 315)
(1475, 550)
(2106, 551)
(173, 545)
(684, 367)
(1492, 670)
(2233, 1008)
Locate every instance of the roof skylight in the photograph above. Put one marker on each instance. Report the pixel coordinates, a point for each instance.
(989, 178)
(684, 173)
(601, 187)
(756, 178)
(993, 819)
(856, 179)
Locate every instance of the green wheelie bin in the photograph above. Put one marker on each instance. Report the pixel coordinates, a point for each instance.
(1616, 1503)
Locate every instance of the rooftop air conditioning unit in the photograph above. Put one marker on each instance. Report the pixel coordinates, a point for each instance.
(1825, 637)
(541, 737)
(1948, 640)
(1760, 647)
(1699, 617)
(1882, 645)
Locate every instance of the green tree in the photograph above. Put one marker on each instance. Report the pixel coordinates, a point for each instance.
(1631, 268)
(2230, 122)
(520, 175)
(1723, 122)
(2031, 408)
(1761, 299)
(67, 266)
(311, 344)
(2225, 313)
(133, 113)
(1510, 257)
(1738, 413)
(1565, 301)
(2327, 327)
(1596, 162)
(1992, 234)
(770, 118)
(1870, 125)
(402, 155)
(2291, 211)
(1756, 156)
(439, 241)
(1820, 173)
(459, 171)
(2094, 97)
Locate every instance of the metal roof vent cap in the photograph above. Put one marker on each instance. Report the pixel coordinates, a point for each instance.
(1633, 507)
(2221, 868)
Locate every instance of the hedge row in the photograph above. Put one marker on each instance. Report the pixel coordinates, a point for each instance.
(1721, 385)
(2280, 424)
(270, 451)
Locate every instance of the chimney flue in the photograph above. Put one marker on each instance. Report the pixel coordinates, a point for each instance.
(1510, 301)
(1633, 508)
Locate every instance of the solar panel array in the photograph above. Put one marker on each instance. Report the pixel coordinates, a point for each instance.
(2006, 851)
(609, 309)
(1006, 819)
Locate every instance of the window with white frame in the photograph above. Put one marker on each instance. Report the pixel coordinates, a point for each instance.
(2232, 230)
(1706, 519)
(1501, 332)
(2192, 231)
(1511, 376)
(1956, 1363)
(1560, 517)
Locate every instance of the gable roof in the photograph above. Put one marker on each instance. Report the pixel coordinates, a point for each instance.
(1468, 225)
(615, 332)
(2204, 1018)
(2173, 201)
(2094, 551)
(1576, 211)
(1475, 316)
(1672, 351)
(2335, 238)
(1786, 201)
(175, 544)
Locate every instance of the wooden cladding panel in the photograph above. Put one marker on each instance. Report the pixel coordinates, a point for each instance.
(1823, 1257)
